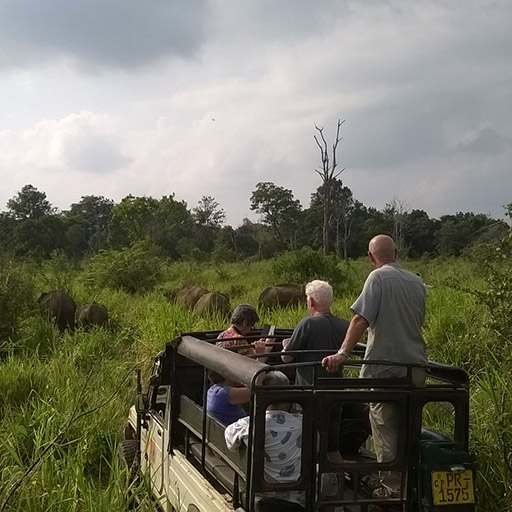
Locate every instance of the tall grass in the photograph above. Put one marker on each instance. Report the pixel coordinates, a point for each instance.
(48, 379)
(492, 433)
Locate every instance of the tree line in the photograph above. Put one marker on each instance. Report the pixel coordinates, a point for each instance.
(31, 226)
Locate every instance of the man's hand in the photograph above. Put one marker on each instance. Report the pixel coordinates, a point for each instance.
(356, 329)
(332, 363)
(285, 358)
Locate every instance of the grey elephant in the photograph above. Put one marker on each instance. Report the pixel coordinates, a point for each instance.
(213, 303)
(59, 308)
(187, 296)
(92, 314)
(282, 295)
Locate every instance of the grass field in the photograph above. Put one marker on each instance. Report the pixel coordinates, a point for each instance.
(64, 398)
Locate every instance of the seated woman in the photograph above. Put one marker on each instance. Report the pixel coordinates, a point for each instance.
(243, 319)
(224, 399)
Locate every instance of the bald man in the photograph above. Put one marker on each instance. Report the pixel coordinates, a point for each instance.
(392, 308)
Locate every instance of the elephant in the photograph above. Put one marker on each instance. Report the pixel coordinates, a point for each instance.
(213, 302)
(59, 308)
(92, 314)
(282, 295)
(187, 296)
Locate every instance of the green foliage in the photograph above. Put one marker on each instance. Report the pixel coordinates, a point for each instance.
(498, 296)
(75, 454)
(32, 227)
(36, 336)
(40, 237)
(305, 265)
(56, 273)
(208, 213)
(16, 295)
(454, 329)
(29, 204)
(7, 233)
(164, 223)
(131, 219)
(458, 232)
(20, 378)
(420, 234)
(279, 210)
(133, 269)
(49, 375)
(198, 255)
(492, 399)
(494, 262)
(342, 208)
(89, 220)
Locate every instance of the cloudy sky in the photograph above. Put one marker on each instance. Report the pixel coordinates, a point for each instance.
(211, 97)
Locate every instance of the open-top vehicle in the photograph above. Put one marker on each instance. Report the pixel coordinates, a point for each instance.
(182, 450)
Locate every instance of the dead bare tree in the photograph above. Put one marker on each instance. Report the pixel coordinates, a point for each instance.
(398, 210)
(327, 173)
(343, 210)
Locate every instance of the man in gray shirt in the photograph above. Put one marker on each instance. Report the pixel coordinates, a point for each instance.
(320, 331)
(392, 308)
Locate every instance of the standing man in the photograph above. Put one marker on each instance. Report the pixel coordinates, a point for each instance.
(392, 308)
(320, 331)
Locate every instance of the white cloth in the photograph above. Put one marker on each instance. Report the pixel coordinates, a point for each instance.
(283, 449)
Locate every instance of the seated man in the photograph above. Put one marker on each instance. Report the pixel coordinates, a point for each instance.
(283, 450)
(321, 330)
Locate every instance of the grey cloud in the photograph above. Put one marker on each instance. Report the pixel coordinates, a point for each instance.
(420, 122)
(93, 154)
(395, 132)
(485, 140)
(423, 86)
(123, 34)
(279, 20)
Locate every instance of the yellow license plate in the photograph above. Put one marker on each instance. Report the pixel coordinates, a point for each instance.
(452, 488)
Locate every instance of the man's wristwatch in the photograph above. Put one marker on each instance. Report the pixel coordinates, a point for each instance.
(343, 352)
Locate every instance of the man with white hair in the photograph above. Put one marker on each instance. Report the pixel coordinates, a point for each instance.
(320, 331)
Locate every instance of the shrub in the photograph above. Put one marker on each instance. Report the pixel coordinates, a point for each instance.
(492, 435)
(305, 265)
(133, 269)
(198, 255)
(494, 261)
(19, 379)
(57, 272)
(16, 296)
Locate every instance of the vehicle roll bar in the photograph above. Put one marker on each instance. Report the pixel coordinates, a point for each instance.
(233, 366)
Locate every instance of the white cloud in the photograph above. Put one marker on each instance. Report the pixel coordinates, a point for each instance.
(80, 142)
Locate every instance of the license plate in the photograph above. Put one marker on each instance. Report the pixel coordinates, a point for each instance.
(452, 488)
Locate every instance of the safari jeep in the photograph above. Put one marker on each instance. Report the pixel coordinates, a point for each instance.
(180, 448)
